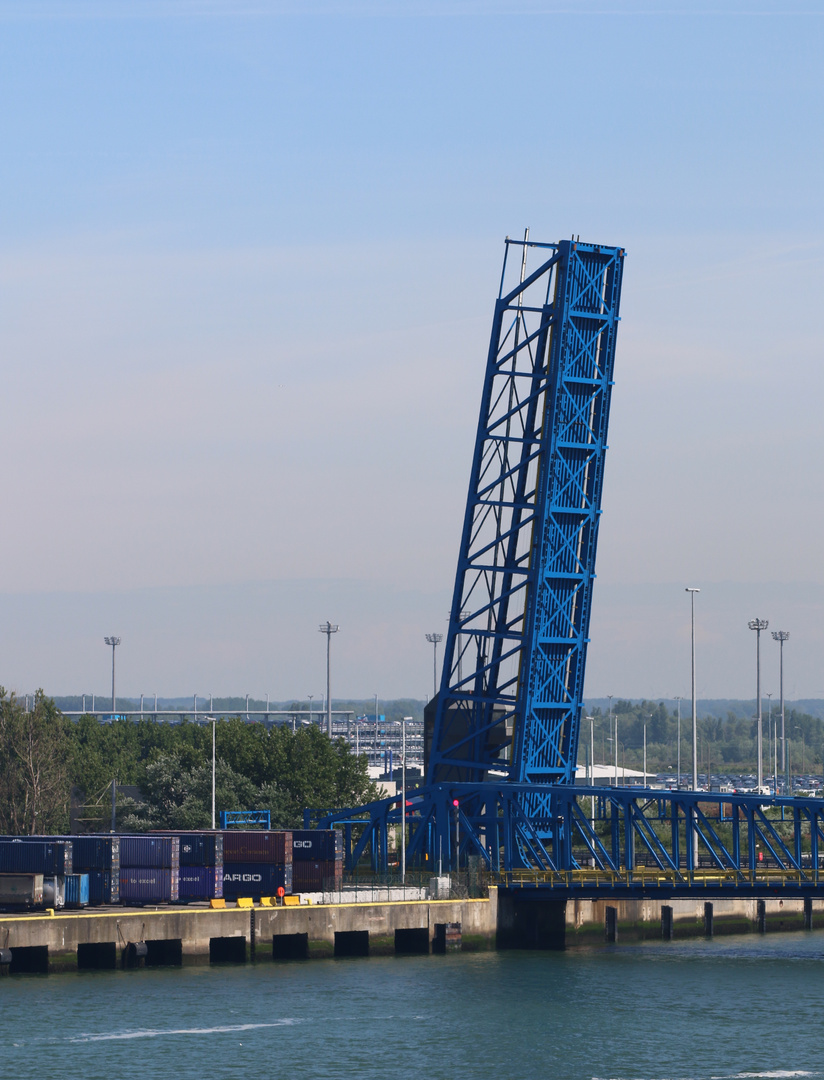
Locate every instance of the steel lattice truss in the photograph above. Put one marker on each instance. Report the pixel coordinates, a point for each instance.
(512, 681)
(569, 840)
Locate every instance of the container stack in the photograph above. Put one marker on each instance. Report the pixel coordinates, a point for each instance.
(201, 866)
(317, 860)
(37, 856)
(149, 869)
(99, 857)
(256, 863)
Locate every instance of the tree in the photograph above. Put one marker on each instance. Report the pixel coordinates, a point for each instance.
(34, 767)
(178, 797)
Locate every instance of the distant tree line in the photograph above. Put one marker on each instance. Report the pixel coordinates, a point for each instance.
(729, 741)
(45, 757)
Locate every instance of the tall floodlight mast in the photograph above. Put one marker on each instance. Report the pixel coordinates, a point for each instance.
(329, 629)
(758, 625)
(114, 642)
(781, 636)
(433, 640)
(512, 682)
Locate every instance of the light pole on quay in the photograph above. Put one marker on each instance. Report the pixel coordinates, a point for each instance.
(692, 593)
(434, 640)
(758, 625)
(329, 629)
(781, 636)
(114, 642)
(403, 799)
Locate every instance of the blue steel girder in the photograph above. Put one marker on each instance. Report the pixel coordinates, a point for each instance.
(512, 680)
(547, 830)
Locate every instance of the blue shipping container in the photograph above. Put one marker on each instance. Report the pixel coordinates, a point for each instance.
(255, 879)
(104, 887)
(148, 885)
(96, 853)
(313, 845)
(77, 890)
(201, 849)
(35, 857)
(161, 852)
(201, 883)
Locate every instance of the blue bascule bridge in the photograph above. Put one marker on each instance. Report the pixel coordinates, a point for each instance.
(502, 738)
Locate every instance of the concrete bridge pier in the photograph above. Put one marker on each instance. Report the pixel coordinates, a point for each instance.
(527, 921)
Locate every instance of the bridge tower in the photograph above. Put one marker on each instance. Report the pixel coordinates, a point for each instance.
(509, 702)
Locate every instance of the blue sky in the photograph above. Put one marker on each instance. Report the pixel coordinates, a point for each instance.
(249, 254)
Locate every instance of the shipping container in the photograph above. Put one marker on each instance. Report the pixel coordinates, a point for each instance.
(255, 879)
(314, 845)
(104, 887)
(21, 890)
(95, 853)
(201, 883)
(240, 846)
(77, 890)
(317, 876)
(159, 852)
(148, 885)
(201, 849)
(35, 856)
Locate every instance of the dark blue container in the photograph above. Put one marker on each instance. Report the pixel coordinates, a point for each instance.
(30, 856)
(159, 852)
(201, 849)
(96, 853)
(104, 887)
(76, 890)
(255, 879)
(201, 883)
(313, 845)
(148, 885)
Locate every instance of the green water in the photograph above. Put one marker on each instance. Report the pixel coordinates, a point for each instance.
(737, 1007)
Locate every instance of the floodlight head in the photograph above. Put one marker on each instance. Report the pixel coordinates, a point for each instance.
(112, 640)
(328, 628)
(780, 635)
(433, 639)
(758, 624)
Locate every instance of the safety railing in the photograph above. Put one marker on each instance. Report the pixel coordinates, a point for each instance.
(642, 877)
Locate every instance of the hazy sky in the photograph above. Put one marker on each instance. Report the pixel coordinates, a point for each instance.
(249, 256)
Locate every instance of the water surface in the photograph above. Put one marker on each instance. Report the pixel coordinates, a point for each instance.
(738, 1007)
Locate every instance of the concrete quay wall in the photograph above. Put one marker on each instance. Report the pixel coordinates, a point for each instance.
(585, 920)
(528, 921)
(144, 936)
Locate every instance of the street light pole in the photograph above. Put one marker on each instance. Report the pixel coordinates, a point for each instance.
(114, 642)
(769, 728)
(615, 736)
(329, 629)
(592, 762)
(645, 753)
(403, 799)
(758, 625)
(692, 593)
(213, 772)
(433, 640)
(678, 751)
(781, 636)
